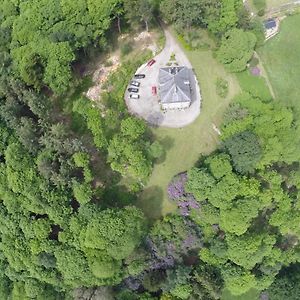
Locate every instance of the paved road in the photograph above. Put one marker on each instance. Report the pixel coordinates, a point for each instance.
(148, 106)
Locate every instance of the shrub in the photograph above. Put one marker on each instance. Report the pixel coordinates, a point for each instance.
(126, 49)
(222, 87)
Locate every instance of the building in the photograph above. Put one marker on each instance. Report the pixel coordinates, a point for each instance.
(175, 87)
(271, 27)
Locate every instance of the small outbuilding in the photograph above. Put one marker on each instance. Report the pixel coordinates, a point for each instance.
(271, 27)
(270, 24)
(175, 87)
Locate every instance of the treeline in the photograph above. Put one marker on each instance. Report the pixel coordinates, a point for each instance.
(59, 218)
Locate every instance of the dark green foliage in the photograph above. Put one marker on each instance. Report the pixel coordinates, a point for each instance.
(126, 49)
(286, 285)
(245, 151)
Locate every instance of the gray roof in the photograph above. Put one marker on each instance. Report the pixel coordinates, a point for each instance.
(174, 84)
(269, 24)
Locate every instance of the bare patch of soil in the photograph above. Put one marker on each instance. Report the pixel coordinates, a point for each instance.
(109, 64)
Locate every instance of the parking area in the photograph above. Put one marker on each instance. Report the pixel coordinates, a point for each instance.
(147, 106)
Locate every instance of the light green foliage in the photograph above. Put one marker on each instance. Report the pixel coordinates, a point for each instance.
(94, 122)
(126, 151)
(248, 250)
(200, 183)
(101, 265)
(227, 17)
(132, 128)
(236, 49)
(182, 291)
(82, 192)
(219, 165)
(237, 280)
(117, 233)
(238, 218)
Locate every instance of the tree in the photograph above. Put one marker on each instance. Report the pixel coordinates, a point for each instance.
(245, 151)
(236, 49)
(183, 13)
(116, 232)
(143, 11)
(226, 19)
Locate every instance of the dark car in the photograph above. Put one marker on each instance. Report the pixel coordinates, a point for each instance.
(135, 83)
(151, 62)
(139, 76)
(133, 90)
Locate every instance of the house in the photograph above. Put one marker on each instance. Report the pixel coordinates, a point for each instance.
(175, 87)
(270, 24)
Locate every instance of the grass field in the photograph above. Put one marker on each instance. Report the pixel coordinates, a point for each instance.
(276, 3)
(280, 56)
(184, 146)
(255, 85)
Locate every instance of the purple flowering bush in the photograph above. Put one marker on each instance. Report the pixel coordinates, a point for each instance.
(184, 200)
(176, 186)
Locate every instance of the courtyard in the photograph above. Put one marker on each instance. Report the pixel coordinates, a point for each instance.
(148, 106)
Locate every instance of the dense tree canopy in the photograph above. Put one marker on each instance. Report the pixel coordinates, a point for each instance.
(236, 49)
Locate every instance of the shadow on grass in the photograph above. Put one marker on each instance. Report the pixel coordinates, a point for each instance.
(167, 144)
(150, 201)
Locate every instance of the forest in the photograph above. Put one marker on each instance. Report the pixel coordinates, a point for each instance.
(69, 226)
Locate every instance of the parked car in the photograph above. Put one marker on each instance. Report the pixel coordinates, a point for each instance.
(154, 90)
(151, 62)
(135, 83)
(139, 76)
(133, 90)
(134, 96)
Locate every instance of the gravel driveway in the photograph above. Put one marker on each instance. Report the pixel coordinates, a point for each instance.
(147, 107)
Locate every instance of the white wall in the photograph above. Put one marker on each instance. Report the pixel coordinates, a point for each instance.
(179, 105)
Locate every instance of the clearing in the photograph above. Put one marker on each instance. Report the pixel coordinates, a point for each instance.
(148, 106)
(280, 56)
(184, 146)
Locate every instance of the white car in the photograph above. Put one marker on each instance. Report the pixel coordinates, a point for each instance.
(135, 83)
(134, 96)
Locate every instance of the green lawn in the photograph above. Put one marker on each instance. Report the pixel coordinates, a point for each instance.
(184, 146)
(276, 3)
(256, 85)
(280, 56)
(251, 295)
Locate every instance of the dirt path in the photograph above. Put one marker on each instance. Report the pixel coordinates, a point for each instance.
(265, 74)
